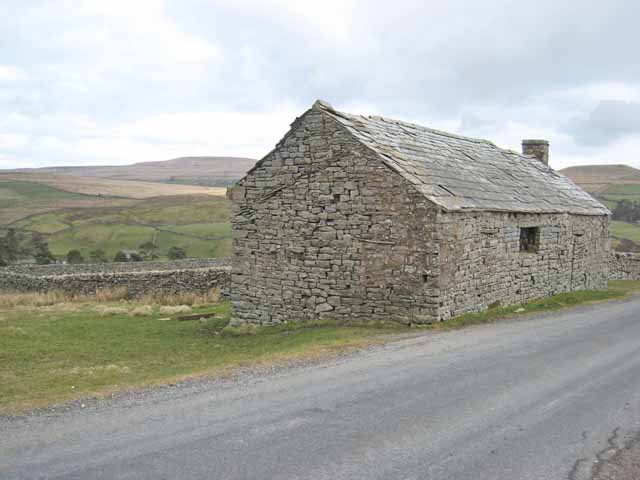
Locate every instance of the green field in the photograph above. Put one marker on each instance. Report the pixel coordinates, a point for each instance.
(220, 229)
(199, 224)
(16, 191)
(625, 230)
(621, 192)
(20, 200)
(56, 354)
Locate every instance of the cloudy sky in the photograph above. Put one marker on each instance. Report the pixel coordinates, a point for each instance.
(115, 82)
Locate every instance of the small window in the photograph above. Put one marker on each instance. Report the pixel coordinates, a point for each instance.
(529, 239)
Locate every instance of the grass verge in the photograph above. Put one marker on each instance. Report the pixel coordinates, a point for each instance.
(617, 289)
(60, 351)
(57, 353)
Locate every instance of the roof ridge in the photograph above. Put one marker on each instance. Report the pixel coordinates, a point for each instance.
(327, 106)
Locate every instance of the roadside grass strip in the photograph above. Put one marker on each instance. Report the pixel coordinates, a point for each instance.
(52, 353)
(617, 289)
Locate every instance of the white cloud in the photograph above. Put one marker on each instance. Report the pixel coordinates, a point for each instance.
(603, 91)
(235, 133)
(12, 74)
(163, 136)
(333, 20)
(625, 150)
(141, 29)
(13, 141)
(92, 81)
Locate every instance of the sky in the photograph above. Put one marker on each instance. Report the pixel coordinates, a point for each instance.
(118, 82)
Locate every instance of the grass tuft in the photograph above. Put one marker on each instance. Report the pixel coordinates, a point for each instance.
(141, 311)
(107, 295)
(107, 311)
(213, 296)
(56, 297)
(174, 310)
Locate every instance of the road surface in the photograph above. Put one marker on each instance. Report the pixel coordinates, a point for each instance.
(540, 398)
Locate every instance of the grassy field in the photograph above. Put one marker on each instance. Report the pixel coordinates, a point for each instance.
(57, 353)
(19, 200)
(61, 351)
(110, 214)
(625, 230)
(621, 192)
(198, 223)
(17, 191)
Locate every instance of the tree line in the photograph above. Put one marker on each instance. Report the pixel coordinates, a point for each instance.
(627, 211)
(17, 246)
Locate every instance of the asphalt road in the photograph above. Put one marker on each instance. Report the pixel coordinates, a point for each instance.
(540, 398)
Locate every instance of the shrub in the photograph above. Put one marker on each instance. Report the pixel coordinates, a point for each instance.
(176, 253)
(149, 250)
(120, 257)
(40, 248)
(75, 257)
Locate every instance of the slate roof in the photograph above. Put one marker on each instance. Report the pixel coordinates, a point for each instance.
(467, 174)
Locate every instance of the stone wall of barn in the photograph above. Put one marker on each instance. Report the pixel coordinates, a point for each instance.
(323, 229)
(481, 261)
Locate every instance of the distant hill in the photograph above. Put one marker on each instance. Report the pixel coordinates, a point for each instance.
(204, 171)
(107, 187)
(600, 178)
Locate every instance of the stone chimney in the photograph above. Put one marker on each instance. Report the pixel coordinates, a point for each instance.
(537, 148)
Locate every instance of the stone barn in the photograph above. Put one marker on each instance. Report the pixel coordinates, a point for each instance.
(354, 217)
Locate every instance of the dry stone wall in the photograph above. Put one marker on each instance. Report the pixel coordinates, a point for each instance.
(118, 267)
(139, 278)
(624, 266)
